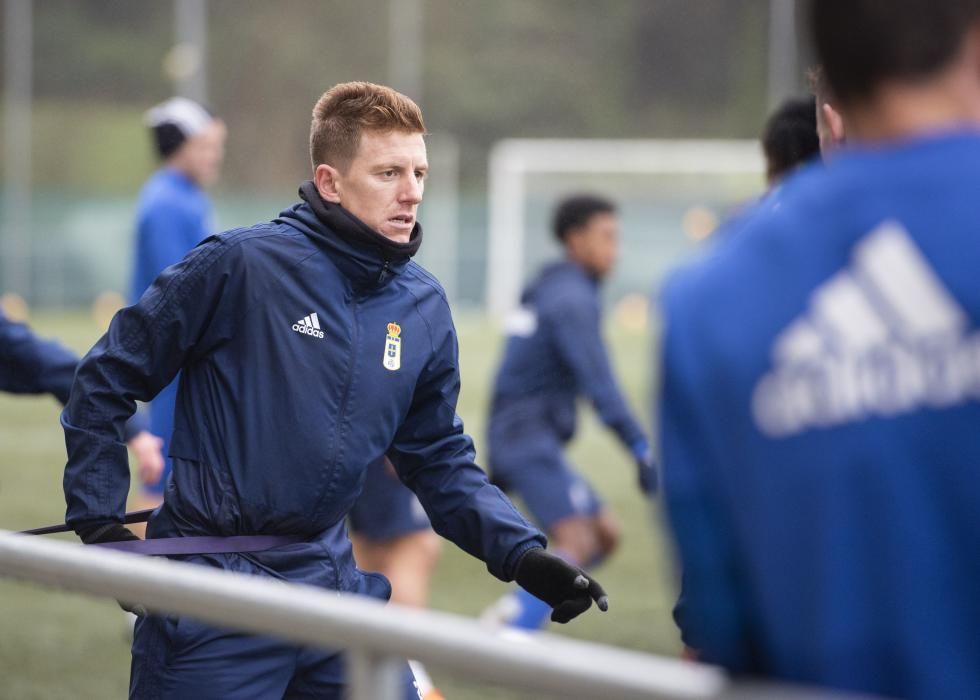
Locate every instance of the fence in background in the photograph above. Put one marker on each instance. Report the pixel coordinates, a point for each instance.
(377, 636)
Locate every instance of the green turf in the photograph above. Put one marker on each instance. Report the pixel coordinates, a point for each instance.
(60, 645)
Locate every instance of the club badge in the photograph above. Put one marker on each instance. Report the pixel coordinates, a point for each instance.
(393, 348)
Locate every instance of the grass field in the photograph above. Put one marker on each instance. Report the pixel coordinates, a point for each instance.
(56, 645)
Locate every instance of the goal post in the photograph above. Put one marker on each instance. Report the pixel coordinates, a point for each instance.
(513, 162)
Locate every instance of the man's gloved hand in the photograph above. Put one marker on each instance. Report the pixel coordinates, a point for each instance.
(98, 533)
(568, 590)
(646, 468)
(111, 532)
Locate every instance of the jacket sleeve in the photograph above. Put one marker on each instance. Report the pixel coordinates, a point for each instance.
(188, 310)
(435, 458)
(575, 325)
(712, 611)
(33, 365)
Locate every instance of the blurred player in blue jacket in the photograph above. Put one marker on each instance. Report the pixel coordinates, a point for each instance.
(309, 347)
(30, 364)
(555, 354)
(820, 383)
(173, 215)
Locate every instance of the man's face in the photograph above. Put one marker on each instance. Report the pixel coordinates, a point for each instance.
(595, 245)
(200, 156)
(384, 182)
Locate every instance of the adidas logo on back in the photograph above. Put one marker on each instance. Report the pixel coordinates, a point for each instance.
(881, 338)
(310, 325)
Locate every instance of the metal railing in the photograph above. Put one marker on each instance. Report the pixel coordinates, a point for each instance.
(377, 637)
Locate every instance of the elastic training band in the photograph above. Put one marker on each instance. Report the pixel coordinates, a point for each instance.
(136, 516)
(174, 546)
(171, 546)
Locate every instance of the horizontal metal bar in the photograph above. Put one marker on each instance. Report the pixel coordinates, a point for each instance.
(311, 616)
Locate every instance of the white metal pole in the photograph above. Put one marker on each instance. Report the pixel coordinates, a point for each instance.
(314, 617)
(783, 78)
(18, 78)
(440, 216)
(405, 29)
(191, 36)
(381, 634)
(505, 238)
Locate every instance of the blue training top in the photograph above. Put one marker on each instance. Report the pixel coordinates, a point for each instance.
(554, 354)
(173, 216)
(819, 423)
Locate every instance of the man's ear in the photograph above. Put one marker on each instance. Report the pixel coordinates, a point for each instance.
(835, 123)
(573, 243)
(327, 181)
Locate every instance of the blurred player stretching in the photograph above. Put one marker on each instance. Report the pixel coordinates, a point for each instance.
(554, 354)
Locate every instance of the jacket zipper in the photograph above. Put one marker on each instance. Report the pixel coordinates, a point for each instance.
(384, 271)
(342, 412)
(344, 398)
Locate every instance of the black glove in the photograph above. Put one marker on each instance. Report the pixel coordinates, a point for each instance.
(567, 589)
(646, 468)
(649, 481)
(111, 532)
(98, 533)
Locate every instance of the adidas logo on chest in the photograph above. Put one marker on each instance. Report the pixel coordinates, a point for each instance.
(309, 325)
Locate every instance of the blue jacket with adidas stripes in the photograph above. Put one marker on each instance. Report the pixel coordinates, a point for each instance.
(819, 416)
(279, 414)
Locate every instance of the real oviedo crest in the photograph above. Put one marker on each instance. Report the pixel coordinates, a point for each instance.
(393, 348)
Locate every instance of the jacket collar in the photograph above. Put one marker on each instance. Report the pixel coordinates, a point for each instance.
(570, 267)
(366, 257)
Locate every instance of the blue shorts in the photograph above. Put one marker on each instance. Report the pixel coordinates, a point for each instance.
(531, 463)
(386, 508)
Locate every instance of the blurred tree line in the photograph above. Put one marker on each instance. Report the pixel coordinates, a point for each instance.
(506, 68)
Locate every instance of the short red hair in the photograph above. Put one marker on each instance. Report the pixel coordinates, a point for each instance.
(346, 110)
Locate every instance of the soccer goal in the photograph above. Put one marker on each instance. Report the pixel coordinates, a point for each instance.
(671, 195)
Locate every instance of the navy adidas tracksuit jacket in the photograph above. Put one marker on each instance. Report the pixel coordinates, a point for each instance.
(276, 420)
(819, 424)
